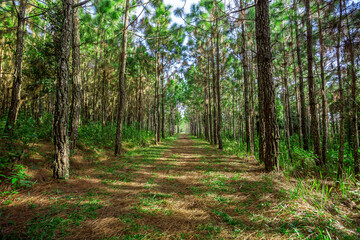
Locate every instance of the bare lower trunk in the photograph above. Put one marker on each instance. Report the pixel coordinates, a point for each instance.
(341, 91)
(206, 105)
(354, 105)
(312, 97)
(266, 81)
(215, 115)
(162, 108)
(119, 127)
(323, 92)
(61, 162)
(296, 89)
(219, 120)
(211, 135)
(303, 128)
(76, 88)
(287, 115)
(247, 113)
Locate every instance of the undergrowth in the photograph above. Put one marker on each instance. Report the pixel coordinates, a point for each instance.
(312, 184)
(16, 146)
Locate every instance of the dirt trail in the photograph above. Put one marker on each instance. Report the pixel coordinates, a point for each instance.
(186, 189)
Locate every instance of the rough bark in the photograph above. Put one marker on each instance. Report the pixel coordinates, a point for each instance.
(219, 117)
(155, 100)
(252, 102)
(323, 92)
(158, 117)
(206, 103)
(248, 134)
(61, 141)
(2, 51)
(75, 110)
(286, 100)
(162, 106)
(266, 81)
(312, 93)
(233, 115)
(215, 115)
(211, 135)
(303, 128)
(120, 117)
(140, 102)
(341, 101)
(296, 89)
(354, 105)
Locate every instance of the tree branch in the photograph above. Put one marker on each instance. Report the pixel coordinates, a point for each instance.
(81, 3)
(36, 6)
(142, 4)
(35, 15)
(17, 12)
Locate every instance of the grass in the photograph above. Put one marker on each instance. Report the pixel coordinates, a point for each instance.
(56, 220)
(179, 189)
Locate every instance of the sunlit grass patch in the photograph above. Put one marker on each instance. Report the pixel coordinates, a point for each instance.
(135, 229)
(58, 220)
(153, 203)
(209, 230)
(225, 217)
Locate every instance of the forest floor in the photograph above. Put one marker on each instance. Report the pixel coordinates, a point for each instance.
(183, 188)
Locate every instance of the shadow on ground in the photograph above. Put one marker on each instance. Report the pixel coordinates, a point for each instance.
(182, 189)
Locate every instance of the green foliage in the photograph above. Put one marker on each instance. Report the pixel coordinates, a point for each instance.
(19, 178)
(95, 134)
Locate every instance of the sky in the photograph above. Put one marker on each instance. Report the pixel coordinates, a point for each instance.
(179, 4)
(176, 4)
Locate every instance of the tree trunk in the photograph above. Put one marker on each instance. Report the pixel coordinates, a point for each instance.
(312, 94)
(266, 81)
(162, 107)
(76, 87)
(323, 92)
(354, 105)
(211, 135)
(2, 51)
(158, 117)
(61, 141)
(206, 103)
(252, 102)
(303, 128)
(104, 96)
(219, 118)
(296, 89)
(16, 87)
(341, 100)
(286, 100)
(214, 92)
(118, 142)
(233, 115)
(249, 147)
(140, 108)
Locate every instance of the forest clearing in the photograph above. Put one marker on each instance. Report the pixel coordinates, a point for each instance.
(191, 119)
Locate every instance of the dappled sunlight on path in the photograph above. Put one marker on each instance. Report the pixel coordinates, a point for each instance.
(181, 189)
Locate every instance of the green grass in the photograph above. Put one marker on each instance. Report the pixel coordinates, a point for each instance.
(56, 220)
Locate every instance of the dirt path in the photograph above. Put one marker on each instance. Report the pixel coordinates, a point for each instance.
(184, 189)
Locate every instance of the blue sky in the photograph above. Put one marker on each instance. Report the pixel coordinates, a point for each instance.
(179, 4)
